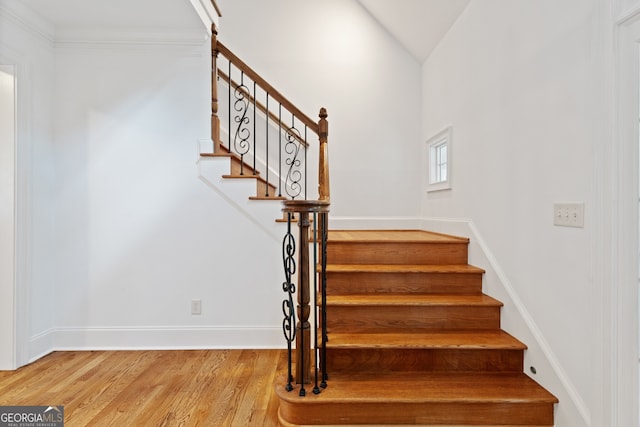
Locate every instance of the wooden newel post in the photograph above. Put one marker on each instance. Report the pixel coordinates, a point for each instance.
(303, 337)
(323, 166)
(215, 120)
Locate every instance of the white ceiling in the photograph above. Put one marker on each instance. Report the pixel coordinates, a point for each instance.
(419, 25)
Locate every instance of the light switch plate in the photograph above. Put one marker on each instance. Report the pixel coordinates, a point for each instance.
(568, 214)
(196, 306)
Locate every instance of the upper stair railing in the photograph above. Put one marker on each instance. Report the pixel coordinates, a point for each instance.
(264, 129)
(271, 137)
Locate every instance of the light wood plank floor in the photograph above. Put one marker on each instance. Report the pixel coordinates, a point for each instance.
(152, 388)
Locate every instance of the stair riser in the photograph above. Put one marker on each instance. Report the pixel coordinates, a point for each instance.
(262, 190)
(237, 167)
(449, 413)
(396, 253)
(363, 319)
(423, 360)
(404, 283)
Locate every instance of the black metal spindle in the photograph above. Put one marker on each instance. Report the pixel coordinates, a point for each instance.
(229, 108)
(324, 226)
(266, 156)
(305, 161)
(316, 389)
(280, 150)
(288, 308)
(241, 148)
(292, 180)
(302, 357)
(255, 142)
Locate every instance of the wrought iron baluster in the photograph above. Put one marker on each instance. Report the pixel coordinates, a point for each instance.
(316, 389)
(292, 149)
(280, 150)
(306, 167)
(266, 156)
(255, 142)
(324, 231)
(288, 307)
(229, 109)
(241, 143)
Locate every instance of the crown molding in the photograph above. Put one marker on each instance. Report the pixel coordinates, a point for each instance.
(128, 37)
(28, 20)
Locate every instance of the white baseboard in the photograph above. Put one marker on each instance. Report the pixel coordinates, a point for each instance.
(40, 345)
(157, 338)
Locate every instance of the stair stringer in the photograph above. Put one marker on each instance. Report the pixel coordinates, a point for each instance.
(236, 193)
(516, 320)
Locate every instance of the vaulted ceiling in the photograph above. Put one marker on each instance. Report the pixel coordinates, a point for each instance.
(418, 25)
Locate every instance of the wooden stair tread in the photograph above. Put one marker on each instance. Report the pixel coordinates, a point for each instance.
(428, 339)
(217, 155)
(412, 340)
(419, 387)
(404, 268)
(407, 236)
(277, 198)
(412, 300)
(245, 176)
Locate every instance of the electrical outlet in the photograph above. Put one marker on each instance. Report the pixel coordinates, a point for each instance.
(196, 306)
(568, 214)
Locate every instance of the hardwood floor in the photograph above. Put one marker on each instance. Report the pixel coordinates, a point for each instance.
(152, 388)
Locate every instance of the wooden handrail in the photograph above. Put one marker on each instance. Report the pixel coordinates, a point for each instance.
(310, 123)
(216, 7)
(301, 332)
(261, 107)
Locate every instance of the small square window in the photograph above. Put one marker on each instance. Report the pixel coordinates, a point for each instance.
(439, 161)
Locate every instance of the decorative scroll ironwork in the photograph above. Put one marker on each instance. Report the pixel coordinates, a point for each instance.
(288, 306)
(294, 175)
(242, 135)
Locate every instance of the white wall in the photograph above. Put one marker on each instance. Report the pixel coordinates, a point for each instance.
(7, 216)
(333, 54)
(522, 85)
(122, 226)
(140, 234)
(26, 41)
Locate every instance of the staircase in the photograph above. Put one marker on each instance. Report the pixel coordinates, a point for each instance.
(240, 170)
(412, 340)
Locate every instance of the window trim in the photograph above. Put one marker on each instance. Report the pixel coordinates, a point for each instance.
(444, 137)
